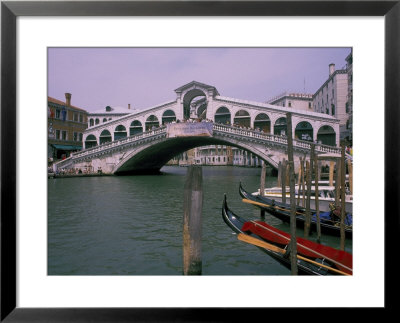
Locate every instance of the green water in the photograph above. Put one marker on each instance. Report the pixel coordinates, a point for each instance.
(132, 225)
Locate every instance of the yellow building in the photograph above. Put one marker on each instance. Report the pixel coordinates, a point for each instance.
(66, 124)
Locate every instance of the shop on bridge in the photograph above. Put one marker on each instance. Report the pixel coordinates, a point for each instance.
(326, 136)
(242, 119)
(304, 131)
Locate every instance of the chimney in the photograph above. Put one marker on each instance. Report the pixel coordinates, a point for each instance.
(68, 99)
(129, 105)
(331, 69)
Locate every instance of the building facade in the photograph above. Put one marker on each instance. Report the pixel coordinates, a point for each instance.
(107, 114)
(331, 98)
(298, 101)
(66, 125)
(216, 155)
(348, 133)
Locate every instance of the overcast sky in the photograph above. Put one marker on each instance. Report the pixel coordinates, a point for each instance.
(145, 77)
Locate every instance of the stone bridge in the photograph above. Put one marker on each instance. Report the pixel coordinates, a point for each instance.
(144, 141)
(149, 151)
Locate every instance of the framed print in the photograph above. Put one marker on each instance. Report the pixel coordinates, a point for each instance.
(32, 288)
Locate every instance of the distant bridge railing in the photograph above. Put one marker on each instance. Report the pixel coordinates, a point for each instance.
(240, 132)
(275, 138)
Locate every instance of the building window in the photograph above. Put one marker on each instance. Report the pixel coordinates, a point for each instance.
(80, 118)
(64, 135)
(58, 134)
(76, 117)
(58, 114)
(290, 104)
(75, 136)
(80, 137)
(91, 123)
(97, 121)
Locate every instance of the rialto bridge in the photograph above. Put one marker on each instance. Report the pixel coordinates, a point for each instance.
(144, 141)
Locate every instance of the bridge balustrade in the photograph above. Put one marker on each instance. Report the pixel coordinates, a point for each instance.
(216, 127)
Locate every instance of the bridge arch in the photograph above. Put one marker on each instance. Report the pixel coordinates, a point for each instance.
(280, 127)
(168, 116)
(105, 136)
(193, 101)
(326, 135)
(262, 122)
(151, 156)
(242, 118)
(304, 131)
(151, 121)
(120, 132)
(135, 128)
(90, 141)
(222, 115)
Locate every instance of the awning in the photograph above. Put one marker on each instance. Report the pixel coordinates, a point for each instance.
(67, 147)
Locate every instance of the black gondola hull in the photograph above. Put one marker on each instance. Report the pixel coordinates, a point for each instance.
(282, 212)
(236, 223)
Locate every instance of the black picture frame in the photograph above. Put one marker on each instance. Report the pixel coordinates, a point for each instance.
(10, 10)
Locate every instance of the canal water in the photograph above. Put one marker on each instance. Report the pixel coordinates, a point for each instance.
(132, 225)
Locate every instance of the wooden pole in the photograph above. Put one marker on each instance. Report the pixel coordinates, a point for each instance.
(287, 174)
(350, 167)
(192, 221)
(317, 170)
(278, 182)
(343, 199)
(307, 222)
(262, 184)
(299, 181)
(293, 240)
(283, 180)
(337, 183)
(303, 181)
(331, 170)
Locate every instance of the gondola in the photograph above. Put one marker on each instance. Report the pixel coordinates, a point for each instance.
(282, 212)
(313, 258)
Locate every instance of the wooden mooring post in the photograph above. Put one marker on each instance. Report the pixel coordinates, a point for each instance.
(293, 240)
(342, 198)
(317, 171)
(262, 184)
(192, 221)
(283, 180)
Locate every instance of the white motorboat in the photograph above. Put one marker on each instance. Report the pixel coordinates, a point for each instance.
(326, 195)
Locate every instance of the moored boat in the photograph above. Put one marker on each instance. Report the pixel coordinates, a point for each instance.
(329, 221)
(326, 196)
(313, 258)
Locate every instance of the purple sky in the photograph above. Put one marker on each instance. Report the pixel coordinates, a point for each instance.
(145, 77)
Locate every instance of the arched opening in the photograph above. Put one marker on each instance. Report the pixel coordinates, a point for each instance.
(280, 127)
(97, 121)
(222, 115)
(90, 141)
(91, 123)
(194, 105)
(104, 120)
(242, 119)
(168, 117)
(120, 132)
(262, 122)
(326, 136)
(304, 131)
(105, 136)
(152, 122)
(135, 128)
